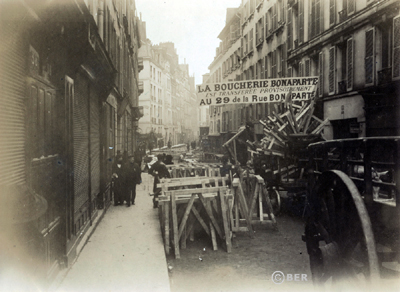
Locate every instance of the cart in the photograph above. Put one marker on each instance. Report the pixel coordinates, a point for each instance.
(352, 230)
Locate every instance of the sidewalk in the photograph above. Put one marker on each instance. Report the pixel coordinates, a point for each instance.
(125, 253)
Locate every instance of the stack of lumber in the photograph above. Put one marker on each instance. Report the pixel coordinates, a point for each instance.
(292, 124)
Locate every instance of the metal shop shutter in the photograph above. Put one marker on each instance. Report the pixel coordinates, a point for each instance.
(81, 142)
(94, 143)
(12, 106)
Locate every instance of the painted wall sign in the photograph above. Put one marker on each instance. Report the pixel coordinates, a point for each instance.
(256, 91)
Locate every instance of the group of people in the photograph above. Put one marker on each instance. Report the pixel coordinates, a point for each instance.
(126, 175)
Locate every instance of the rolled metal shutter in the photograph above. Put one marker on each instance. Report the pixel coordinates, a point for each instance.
(12, 105)
(95, 143)
(81, 142)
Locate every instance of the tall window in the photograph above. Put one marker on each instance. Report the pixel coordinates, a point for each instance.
(316, 19)
(290, 30)
(332, 12)
(301, 21)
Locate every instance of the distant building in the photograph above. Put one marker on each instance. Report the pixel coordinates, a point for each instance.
(168, 98)
(352, 46)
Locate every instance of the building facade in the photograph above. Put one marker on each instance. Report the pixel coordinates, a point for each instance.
(168, 98)
(69, 101)
(352, 46)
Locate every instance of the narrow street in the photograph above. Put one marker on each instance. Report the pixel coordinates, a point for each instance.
(126, 253)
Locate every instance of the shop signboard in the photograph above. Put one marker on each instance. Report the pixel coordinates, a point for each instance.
(256, 91)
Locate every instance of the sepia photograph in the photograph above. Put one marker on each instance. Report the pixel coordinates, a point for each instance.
(199, 145)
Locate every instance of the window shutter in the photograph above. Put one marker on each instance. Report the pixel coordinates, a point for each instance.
(332, 70)
(274, 18)
(262, 68)
(274, 64)
(233, 33)
(289, 72)
(350, 61)
(307, 68)
(290, 30)
(301, 21)
(396, 47)
(265, 67)
(251, 40)
(321, 74)
(262, 28)
(241, 46)
(351, 6)
(266, 24)
(369, 56)
(301, 69)
(284, 59)
(332, 12)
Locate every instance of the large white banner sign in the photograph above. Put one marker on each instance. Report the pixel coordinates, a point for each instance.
(256, 91)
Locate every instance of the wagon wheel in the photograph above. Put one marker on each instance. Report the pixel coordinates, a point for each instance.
(339, 236)
(275, 200)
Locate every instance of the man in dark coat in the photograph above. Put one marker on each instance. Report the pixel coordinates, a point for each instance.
(159, 171)
(133, 177)
(119, 181)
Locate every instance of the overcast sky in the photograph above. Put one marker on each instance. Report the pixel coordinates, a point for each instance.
(193, 25)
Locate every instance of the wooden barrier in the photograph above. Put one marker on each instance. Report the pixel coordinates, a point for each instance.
(205, 200)
(186, 170)
(247, 191)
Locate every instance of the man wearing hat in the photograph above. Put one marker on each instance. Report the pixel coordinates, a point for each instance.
(159, 171)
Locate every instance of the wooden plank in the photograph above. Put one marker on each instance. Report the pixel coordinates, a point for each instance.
(260, 202)
(243, 203)
(208, 209)
(166, 228)
(209, 190)
(213, 237)
(186, 215)
(307, 118)
(175, 226)
(253, 200)
(269, 206)
(183, 238)
(225, 223)
(320, 127)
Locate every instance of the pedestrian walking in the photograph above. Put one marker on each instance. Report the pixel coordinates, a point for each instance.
(133, 177)
(159, 170)
(118, 182)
